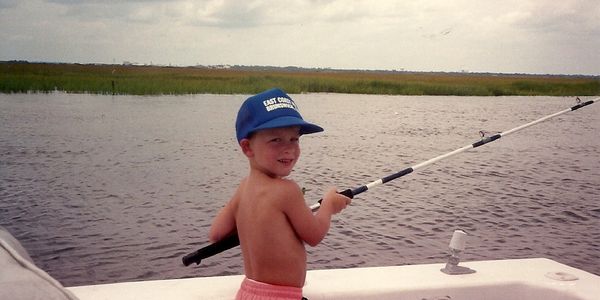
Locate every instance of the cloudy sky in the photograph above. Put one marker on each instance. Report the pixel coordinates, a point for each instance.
(508, 36)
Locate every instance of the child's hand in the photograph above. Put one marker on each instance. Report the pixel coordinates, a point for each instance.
(334, 202)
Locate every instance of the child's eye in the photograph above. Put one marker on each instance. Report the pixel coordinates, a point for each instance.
(276, 140)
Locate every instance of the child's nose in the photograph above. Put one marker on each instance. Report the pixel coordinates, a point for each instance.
(290, 146)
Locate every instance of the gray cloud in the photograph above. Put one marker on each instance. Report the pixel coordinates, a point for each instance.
(8, 4)
(528, 36)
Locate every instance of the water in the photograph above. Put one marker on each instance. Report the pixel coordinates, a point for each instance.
(118, 188)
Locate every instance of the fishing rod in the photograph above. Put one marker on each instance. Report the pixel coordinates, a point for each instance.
(232, 240)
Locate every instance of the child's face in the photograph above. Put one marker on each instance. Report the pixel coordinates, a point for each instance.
(276, 151)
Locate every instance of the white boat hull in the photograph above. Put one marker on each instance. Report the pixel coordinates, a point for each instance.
(536, 278)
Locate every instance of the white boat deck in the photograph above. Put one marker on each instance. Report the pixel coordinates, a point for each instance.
(493, 280)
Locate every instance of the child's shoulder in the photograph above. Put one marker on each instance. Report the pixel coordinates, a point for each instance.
(286, 186)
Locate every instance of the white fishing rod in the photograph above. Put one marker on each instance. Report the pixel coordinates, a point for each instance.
(233, 240)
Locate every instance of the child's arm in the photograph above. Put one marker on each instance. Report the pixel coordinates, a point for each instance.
(224, 223)
(312, 228)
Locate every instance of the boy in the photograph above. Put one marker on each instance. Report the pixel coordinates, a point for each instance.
(268, 211)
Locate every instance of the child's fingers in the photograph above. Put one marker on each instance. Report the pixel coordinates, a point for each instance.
(335, 200)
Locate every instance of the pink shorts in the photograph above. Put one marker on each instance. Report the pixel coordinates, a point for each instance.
(255, 290)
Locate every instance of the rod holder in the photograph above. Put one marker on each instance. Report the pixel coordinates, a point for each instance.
(457, 246)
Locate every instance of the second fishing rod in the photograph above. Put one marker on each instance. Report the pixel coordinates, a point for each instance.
(232, 240)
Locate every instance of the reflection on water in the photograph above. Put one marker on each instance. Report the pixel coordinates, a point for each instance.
(105, 189)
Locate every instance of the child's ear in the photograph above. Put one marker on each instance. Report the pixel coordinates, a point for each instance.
(246, 149)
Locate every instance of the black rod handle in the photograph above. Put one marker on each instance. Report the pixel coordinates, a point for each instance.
(212, 249)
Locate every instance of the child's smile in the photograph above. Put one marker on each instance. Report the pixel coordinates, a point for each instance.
(286, 161)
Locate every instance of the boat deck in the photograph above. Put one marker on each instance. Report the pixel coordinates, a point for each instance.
(536, 278)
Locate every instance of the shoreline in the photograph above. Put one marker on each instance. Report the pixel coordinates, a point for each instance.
(23, 77)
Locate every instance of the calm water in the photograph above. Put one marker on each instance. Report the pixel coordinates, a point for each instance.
(104, 189)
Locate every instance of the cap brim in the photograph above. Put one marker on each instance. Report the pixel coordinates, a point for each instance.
(288, 121)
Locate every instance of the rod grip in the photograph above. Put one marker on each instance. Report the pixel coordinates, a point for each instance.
(212, 249)
(347, 192)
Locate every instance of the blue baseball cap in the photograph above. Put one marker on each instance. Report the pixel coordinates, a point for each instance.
(270, 109)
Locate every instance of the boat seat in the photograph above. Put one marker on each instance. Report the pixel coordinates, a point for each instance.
(21, 279)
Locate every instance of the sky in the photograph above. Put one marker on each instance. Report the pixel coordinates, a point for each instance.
(508, 36)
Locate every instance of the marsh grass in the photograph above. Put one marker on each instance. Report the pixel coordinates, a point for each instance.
(18, 77)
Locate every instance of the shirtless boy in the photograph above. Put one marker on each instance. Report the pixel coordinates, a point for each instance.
(268, 211)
